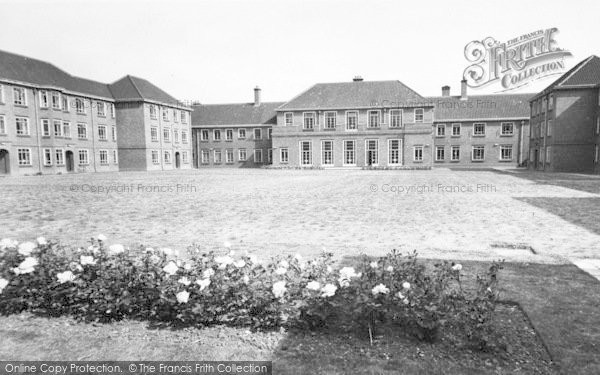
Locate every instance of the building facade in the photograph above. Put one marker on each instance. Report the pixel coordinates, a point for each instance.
(480, 130)
(234, 135)
(565, 122)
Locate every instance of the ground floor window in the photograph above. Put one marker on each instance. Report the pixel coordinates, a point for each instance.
(47, 156)
(59, 154)
(229, 156)
(394, 147)
(372, 151)
(186, 159)
(3, 125)
(167, 157)
(24, 156)
(478, 153)
(327, 147)
(84, 157)
(418, 153)
(205, 157)
(455, 153)
(258, 156)
(597, 154)
(440, 152)
(115, 157)
(218, 157)
(349, 153)
(284, 155)
(548, 154)
(103, 157)
(242, 154)
(306, 152)
(270, 155)
(506, 152)
(155, 157)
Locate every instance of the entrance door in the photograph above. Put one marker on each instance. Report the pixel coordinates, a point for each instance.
(70, 162)
(177, 160)
(536, 159)
(372, 154)
(4, 162)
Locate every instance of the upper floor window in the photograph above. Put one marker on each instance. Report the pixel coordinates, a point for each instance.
(154, 134)
(112, 110)
(242, 133)
(204, 135)
(44, 101)
(56, 103)
(288, 118)
(175, 136)
(66, 129)
(440, 130)
(19, 96)
(152, 111)
(507, 128)
(165, 114)
(82, 131)
(395, 118)
(183, 117)
(374, 119)
(2, 94)
(2, 125)
(114, 133)
(549, 128)
(229, 135)
(258, 133)
(419, 114)
(102, 132)
(309, 120)
(550, 102)
(455, 130)
(330, 120)
(101, 109)
(79, 105)
(351, 120)
(175, 115)
(479, 129)
(217, 135)
(22, 124)
(184, 136)
(167, 134)
(65, 104)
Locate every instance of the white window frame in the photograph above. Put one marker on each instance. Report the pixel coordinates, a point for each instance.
(185, 158)
(57, 127)
(240, 131)
(58, 103)
(165, 114)
(215, 137)
(100, 136)
(59, 156)
(330, 151)
(204, 135)
(228, 159)
(437, 155)
(217, 156)
(227, 133)
(452, 149)
(259, 159)
(270, 156)
(475, 127)
(456, 125)
(184, 136)
(101, 109)
(242, 154)
(284, 155)
(549, 128)
(478, 147)
(598, 125)
(348, 113)
(399, 150)
(326, 117)
(167, 156)
(66, 129)
(313, 116)
(166, 135)
(548, 159)
(113, 133)
(175, 136)
(439, 127)
(3, 130)
(152, 110)
(291, 119)
(2, 94)
(259, 133)
(44, 99)
(155, 156)
(346, 151)
(45, 124)
(367, 141)
(80, 106)
(400, 115)
(25, 123)
(85, 160)
(597, 154)
(512, 128)
(204, 156)
(302, 151)
(20, 93)
(418, 158)
(502, 148)
(154, 133)
(24, 161)
(100, 154)
(369, 124)
(422, 115)
(47, 152)
(115, 157)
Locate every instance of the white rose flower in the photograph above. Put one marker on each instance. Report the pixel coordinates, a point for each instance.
(154, 258)
(348, 273)
(344, 282)
(284, 264)
(7, 243)
(187, 267)
(240, 263)
(208, 273)
(400, 295)
(328, 290)
(406, 285)
(281, 271)
(489, 290)
(41, 241)
(380, 289)
(171, 268)
(313, 285)
(390, 269)
(298, 257)
(185, 281)
(279, 289)
(457, 267)
(405, 301)
(26, 266)
(253, 259)
(64, 277)
(86, 260)
(116, 249)
(224, 261)
(204, 283)
(101, 237)
(183, 297)
(246, 279)
(3, 284)
(373, 265)
(26, 248)
(329, 269)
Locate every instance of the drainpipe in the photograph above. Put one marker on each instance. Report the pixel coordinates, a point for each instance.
(93, 134)
(37, 129)
(161, 154)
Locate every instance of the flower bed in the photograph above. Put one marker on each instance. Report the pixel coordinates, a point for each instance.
(107, 283)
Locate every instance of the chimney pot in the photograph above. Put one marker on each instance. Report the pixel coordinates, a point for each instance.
(357, 79)
(463, 89)
(445, 90)
(257, 96)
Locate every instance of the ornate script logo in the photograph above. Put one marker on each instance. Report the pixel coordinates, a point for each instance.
(514, 63)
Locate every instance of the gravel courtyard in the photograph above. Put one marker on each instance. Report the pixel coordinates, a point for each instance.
(440, 213)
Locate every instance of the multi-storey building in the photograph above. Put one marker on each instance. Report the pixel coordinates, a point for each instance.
(354, 124)
(52, 122)
(234, 135)
(565, 121)
(480, 130)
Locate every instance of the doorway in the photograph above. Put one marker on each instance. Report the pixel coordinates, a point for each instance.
(177, 160)
(4, 162)
(70, 161)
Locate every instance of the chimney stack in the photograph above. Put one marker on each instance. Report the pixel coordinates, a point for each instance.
(445, 90)
(463, 89)
(257, 96)
(357, 79)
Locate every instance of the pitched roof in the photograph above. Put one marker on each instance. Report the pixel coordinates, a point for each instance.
(585, 73)
(131, 88)
(355, 94)
(235, 114)
(24, 69)
(480, 107)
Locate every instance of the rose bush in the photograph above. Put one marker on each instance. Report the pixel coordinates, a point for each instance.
(108, 282)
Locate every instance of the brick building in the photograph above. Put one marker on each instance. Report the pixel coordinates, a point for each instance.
(565, 121)
(234, 135)
(354, 124)
(53, 122)
(480, 130)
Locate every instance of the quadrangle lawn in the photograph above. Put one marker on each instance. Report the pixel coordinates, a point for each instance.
(440, 213)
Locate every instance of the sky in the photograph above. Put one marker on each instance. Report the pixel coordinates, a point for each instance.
(218, 51)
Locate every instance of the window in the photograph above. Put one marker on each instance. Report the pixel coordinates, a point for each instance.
(306, 153)
(102, 132)
(242, 154)
(258, 156)
(440, 130)
(439, 153)
(229, 135)
(257, 133)
(19, 96)
(598, 125)
(395, 156)
(175, 136)
(204, 135)
(506, 152)
(349, 153)
(56, 103)
(66, 129)
(79, 106)
(114, 133)
(175, 115)
(395, 118)
(167, 157)
(101, 109)
(327, 147)
(330, 120)
(217, 135)
(154, 134)
(373, 119)
(3, 126)
(218, 157)
(597, 154)
(241, 133)
(205, 157)
(47, 156)
(456, 130)
(288, 118)
(549, 128)
(65, 104)
(455, 153)
(550, 102)
(284, 155)
(115, 157)
(167, 134)
(24, 155)
(270, 133)
(59, 154)
(548, 154)
(57, 128)
(183, 117)
(478, 129)
(351, 120)
(22, 125)
(45, 127)
(372, 151)
(507, 128)
(103, 157)
(2, 94)
(153, 113)
(419, 113)
(309, 120)
(229, 156)
(112, 110)
(418, 153)
(185, 157)
(165, 114)
(184, 136)
(44, 102)
(270, 156)
(83, 157)
(478, 153)
(155, 159)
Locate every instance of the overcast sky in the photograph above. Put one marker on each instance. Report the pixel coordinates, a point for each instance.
(218, 51)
